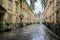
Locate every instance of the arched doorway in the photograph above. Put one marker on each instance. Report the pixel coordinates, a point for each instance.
(2, 21)
(1, 17)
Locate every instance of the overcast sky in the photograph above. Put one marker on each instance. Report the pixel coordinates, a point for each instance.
(38, 6)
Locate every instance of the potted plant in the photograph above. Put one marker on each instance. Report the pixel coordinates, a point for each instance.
(8, 23)
(1, 23)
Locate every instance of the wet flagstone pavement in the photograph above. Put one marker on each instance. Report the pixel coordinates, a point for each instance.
(31, 32)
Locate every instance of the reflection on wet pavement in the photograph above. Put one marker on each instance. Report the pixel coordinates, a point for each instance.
(31, 32)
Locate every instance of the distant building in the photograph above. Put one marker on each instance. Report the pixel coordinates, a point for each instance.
(28, 14)
(38, 17)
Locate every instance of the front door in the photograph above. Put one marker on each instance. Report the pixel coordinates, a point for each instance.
(1, 17)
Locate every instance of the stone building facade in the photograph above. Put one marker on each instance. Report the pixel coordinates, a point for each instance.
(29, 17)
(11, 15)
(52, 14)
(10, 11)
(51, 11)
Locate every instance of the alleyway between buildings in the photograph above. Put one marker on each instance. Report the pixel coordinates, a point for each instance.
(31, 32)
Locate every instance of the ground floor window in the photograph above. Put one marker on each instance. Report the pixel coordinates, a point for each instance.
(10, 18)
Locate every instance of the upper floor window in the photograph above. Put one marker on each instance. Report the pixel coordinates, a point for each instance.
(10, 18)
(16, 7)
(50, 2)
(10, 4)
(17, 19)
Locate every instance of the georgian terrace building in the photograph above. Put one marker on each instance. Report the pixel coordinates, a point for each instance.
(52, 14)
(28, 14)
(9, 12)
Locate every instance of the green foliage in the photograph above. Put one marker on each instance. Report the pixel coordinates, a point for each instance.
(32, 4)
(29, 8)
(8, 23)
(1, 23)
(24, 0)
(20, 4)
(43, 3)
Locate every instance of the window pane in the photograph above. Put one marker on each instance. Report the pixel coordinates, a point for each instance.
(16, 7)
(10, 4)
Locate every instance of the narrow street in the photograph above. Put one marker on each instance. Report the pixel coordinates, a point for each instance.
(31, 32)
(29, 19)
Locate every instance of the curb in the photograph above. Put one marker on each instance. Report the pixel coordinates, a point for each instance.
(52, 33)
